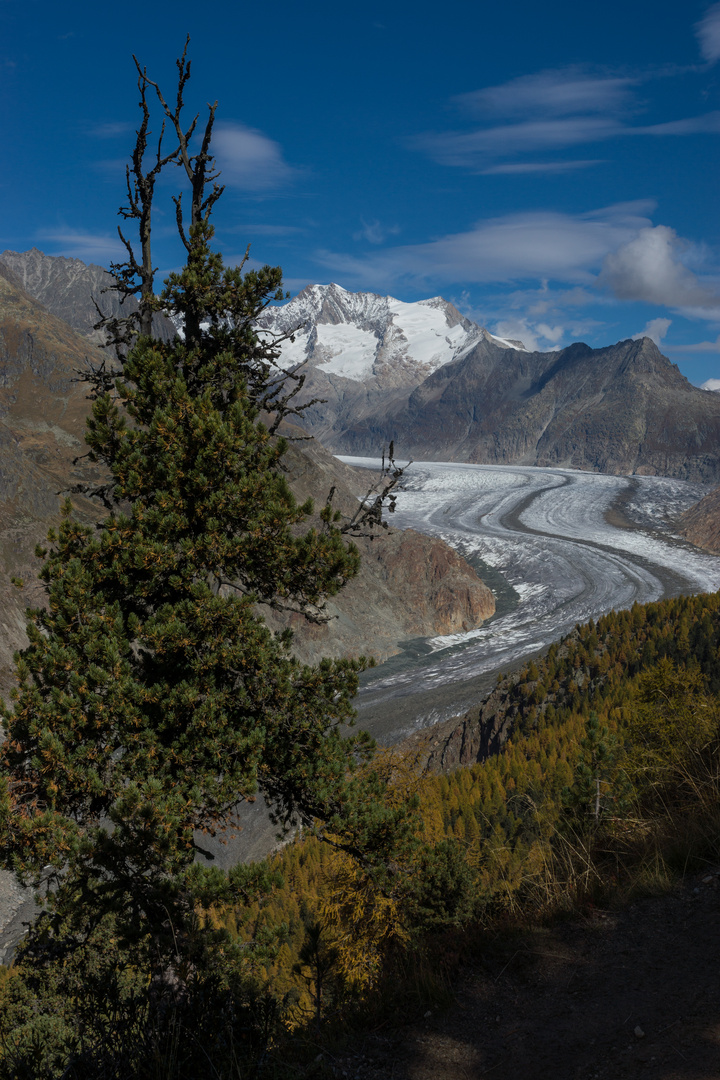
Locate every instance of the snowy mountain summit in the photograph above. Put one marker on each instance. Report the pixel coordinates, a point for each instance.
(373, 339)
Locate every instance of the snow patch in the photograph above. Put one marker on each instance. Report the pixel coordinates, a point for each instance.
(345, 350)
(360, 335)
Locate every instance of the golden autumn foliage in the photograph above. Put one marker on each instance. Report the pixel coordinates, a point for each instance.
(650, 675)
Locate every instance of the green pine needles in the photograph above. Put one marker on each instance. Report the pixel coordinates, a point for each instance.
(152, 697)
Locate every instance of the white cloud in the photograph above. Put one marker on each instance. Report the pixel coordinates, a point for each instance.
(248, 159)
(544, 318)
(536, 337)
(708, 32)
(648, 267)
(656, 329)
(551, 333)
(555, 93)
(549, 302)
(708, 123)
(100, 248)
(548, 112)
(111, 129)
(257, 229)
(469, 149)
(535, 245)
(516, 168)
(698, 347)
(375, 233)
(473, 149)
(517, 330)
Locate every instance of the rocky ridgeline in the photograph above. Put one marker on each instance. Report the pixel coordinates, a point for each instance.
(363, 352)
(371, 339)
(621, 409)
(441, 387)
(445, 389)
(73, 291)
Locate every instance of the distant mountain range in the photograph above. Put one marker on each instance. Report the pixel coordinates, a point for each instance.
(443, 388)
(378, 341)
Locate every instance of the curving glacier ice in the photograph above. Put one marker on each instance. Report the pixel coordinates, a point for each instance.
(571, 545)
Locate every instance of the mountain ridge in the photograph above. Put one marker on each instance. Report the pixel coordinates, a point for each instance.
(623, 408)
(74, 291)
(473, 397)
(441, 387)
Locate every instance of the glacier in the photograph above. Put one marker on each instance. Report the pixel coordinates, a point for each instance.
(569, 546)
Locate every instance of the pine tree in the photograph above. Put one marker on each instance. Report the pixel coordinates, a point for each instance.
(152, 697)
(600, 788)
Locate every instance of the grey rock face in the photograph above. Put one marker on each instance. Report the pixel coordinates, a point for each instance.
(362, 352)
(69, 288)
(621, 409)
(701, 523)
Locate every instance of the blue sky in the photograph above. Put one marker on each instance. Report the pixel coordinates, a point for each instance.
(550, 168)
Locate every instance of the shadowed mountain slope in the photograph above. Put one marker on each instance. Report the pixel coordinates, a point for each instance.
(621, 409)
(42, 421)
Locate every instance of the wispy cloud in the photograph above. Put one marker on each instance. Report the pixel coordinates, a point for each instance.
(257, 229)
(708, 33)
(375, 233)
(536, 337)
(709, 123)
(544, 319)
(517, 168)
(111, 129)
(100, 248)
(472, 149)
(546, 113)
(552, 93)
(248, 159)
(535, 245)
(697, 347)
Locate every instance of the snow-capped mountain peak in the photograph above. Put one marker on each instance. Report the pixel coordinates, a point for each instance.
(365, 337)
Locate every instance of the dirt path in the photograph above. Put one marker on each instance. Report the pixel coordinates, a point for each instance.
(617, 996)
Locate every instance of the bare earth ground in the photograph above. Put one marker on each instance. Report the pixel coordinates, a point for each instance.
(615, 995)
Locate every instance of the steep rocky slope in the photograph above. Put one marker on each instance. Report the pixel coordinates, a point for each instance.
(701, 523)
(373, 339)
(621, 409)
(410, 585)
(442, 387)
(445, 389)
(70, 288)
(42, 419)
(362, 351)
